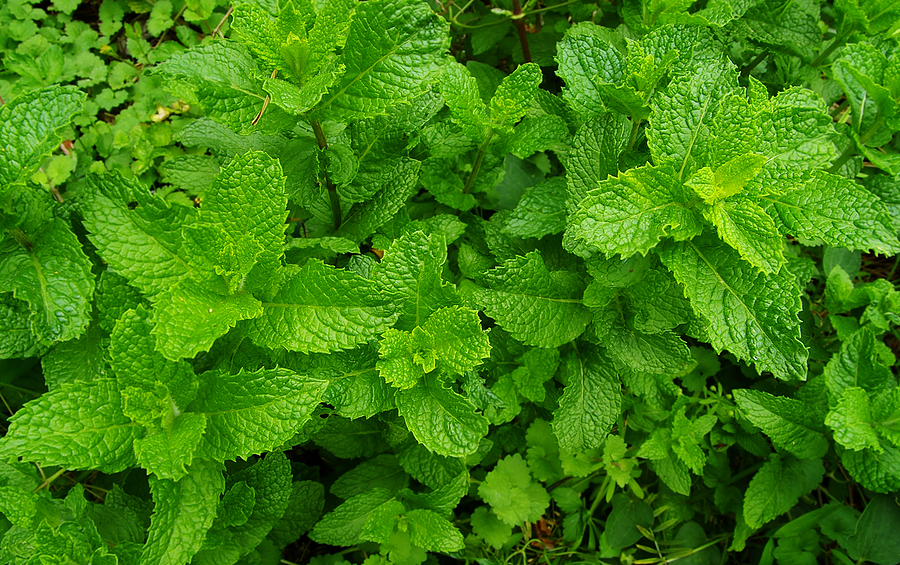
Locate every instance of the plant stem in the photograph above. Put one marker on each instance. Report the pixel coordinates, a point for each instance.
(753, 64)
(523, 35)
(635, 128)
(850, 151)
(482, 151)
(838, 41)
(332, 190)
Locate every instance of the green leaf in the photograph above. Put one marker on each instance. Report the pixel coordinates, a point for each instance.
(344, 524)
(537, 306)
(50, 272)
(249, 413)
(851, 420)
(396, 185)
(412, 268)
(451, 340)
(750, 314)
(777, 487)
(30, 127)
(874, 540)
(747, 228)
(590, 404)
(137, 234)
(630, 213)
(355, 388)
(303, 510)
(430, 469)
(76, 426)
(16, 339)
(431, 532)
(322, 309)
(392, 52)
(270, 479)
(490, 527)
(587, 56)
(594, 156)
(837, 211)
(514, 95)
(440, 419)
(857, 365)
(681, 115)
(190, 316)
(626, 516)
(790, 424)
(381, 472)
(184, 511)
(460, 92)
(541, 211)
(512, 494)
(166, 454)
(877, 471)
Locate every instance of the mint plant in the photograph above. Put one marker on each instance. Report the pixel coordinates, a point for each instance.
(399, 283)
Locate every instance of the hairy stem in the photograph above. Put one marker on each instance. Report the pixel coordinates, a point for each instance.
(523, 35)
(482, 151)
(332, 190)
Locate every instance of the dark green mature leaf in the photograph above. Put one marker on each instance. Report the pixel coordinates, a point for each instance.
(537, 306)
(590, 404)
(790, 424)
(752, 315)
(76, 426)
(344, 524)
(874, 539)
(777, 487)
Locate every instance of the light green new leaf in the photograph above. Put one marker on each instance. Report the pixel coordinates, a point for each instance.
(270, 481)
(412, 267)
(249, 413)
(183, 513)
(590, 404)
(75, 426)
(747, 228)
(440, 419)
(28, 128)
(777, 487)
(513, 495)
(343, 525)
(788, 422)
(165, 454)
(852, 421)
(322, 309)
(630, 213)
(750, 314)
(514, 95)
(50, 272)
(537, 306)
(190, 316)
(460, 92)
(393, 51)
(837, 211)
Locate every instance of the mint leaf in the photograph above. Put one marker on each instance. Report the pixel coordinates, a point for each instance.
(537, 306)
(541, 211)
(440, 419)
(412, 267)
(467, 110)
(788, 422)
(355, 388)
(747, 228)
(249, 413)
(852, 421)
(514, 95)
(76, 426)
(752, 315)
(165, 454)
(836, 211)
(587, 55)
(137, 234)
(322, 309)
(857, 364)
(30, 126)
(184, 511)
(382, 471)
(630, 213)
(777, 487)
(431, 532)
(49, 271)
(512, 494)
(876, 470)
(590, 404)
(392, 52)
(270, 480)
(344, 524)
(16, 339)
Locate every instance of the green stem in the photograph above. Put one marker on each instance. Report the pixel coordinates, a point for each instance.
(753, 64)
(332, 190)
(520, 26)
(482, 151)
(838, 42)
(850, 151)
(632, 139)
(841, 108)
(50, 480)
